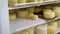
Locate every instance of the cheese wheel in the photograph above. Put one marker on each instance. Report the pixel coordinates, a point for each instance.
(58, 23)
(22, 32)
(51, 30)
(48, 7)
(57, 11)
(30, 1)
(42, 29)
(29, 15)
(11, 11)
(30, 9)
(53, 24)
(48, 0)
(12, 16)
(52, 27)
(21, 1)
(22, 14)
(11, 3)
(34, 17)
(48, 13)
(40, 0)
(37, 10)
(30, 30)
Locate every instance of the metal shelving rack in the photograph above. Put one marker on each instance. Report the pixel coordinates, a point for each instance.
(9, 27)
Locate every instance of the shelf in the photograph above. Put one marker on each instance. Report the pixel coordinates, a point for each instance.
(21, 24)
(51, 20)
(25, 5)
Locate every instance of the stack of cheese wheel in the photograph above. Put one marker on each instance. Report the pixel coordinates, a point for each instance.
(22, 32)
(56, 9)
(12, 15)
(21, 1)
(51, 28)
(22, 13)
(48, 13)
(58, 23)
(11, 3)
(42, 29)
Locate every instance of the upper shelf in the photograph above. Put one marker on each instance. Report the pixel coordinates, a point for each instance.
(24, 5)
(21, 24)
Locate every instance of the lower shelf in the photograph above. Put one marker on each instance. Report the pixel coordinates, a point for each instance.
(21, 24)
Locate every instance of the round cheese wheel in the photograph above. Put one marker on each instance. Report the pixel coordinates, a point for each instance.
(11, 3)
(42, 29)
(22, 14)
(57, 11)
(21, 1)
(12, 16)
(58, 23)
(34, 17)
(48, 13)
(51, 30)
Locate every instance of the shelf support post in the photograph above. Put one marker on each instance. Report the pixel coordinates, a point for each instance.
(4, 17)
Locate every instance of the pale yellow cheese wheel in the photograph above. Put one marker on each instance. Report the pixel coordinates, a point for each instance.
(37, 10)
(42, 29)
(48, 7)
(12, 16)
(53, 24)
(34, 17)
(51, 30)
(57, 11)
(52, 27)
(22, 14)
(22, 32)
(11, 11)
(58, 23)
(21, 1)
(11, 3)
(30, 30)
(30, 9)
(40, 0)
(29, 15)
(30, 1)
(48, 13)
